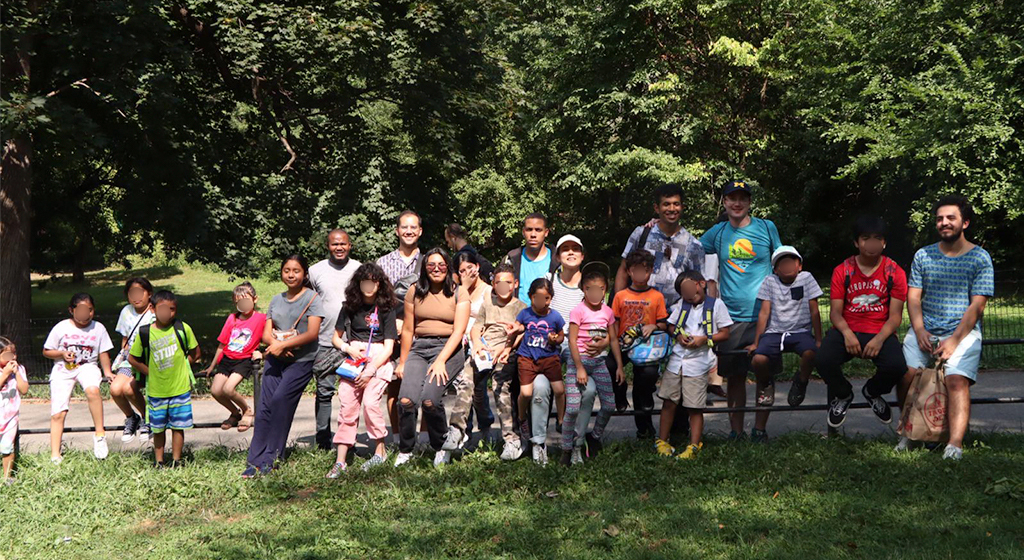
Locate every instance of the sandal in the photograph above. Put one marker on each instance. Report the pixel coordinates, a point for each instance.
(246, 421)
(231, 422)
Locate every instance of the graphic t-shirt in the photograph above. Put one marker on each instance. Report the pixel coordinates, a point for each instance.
(672, 255)
(532, 270)
(592, 324)
(744, 261)
(170, 373)
(791, 303)
(288, 314)
(948, 284)
(87, 344)
(359, 324)
(867, 301)
(535, 343)
(694, 362)
(10, 397)
(492, 316)
(634, 307)
(241, 337)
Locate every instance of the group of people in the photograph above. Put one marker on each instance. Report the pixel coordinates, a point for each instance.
(691, 314)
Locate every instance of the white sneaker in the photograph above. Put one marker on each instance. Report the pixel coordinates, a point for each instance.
(904, 444)
(402, 458)
(954, 453)
(455, 440)
(442, 457)
(56, 459)
(512, 451)
(577, 456)
(540, 454)
(99, 447)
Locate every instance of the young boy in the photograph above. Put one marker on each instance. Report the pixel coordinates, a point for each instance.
(164, 352)
(697, 323)
(491, 343)
(789, 312)
(867, 295)
(639, 310)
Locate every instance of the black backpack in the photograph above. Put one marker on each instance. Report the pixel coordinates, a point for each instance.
(179, 333)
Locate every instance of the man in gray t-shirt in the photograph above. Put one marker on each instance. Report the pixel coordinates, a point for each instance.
(330, 278)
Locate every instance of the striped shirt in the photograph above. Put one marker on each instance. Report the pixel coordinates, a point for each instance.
(396, 267)
(948, 284)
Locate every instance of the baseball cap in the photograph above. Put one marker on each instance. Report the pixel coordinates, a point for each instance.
(736, 186)
(783, 251)
(568, 237)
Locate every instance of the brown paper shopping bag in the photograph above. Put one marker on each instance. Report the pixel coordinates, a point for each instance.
(924, 413)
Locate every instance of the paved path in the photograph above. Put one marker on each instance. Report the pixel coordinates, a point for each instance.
(1002, 417)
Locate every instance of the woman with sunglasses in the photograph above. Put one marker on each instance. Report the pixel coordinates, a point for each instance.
(436, 315)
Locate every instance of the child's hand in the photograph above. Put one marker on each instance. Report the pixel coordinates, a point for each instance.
(400, 370)
(871, 349)
(10, 368)
(364, 378)
(597, 345)
(503, 356)
(257, 355)
(620, 376)
(647, 330)
(483, 351)
(510, 328)
(68, 356)
(553, 337)
(696, 342)
(581, 375)
(357, 350)
(751, 349)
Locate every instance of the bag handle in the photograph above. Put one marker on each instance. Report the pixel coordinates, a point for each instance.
(304, 310)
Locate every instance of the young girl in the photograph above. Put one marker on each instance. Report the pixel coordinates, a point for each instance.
(233, 361)
(369, 310)
(76, 346)
(589, 321)
(540, 333)
(13, 384)
(124, 389)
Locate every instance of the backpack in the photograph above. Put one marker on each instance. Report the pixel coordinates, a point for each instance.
(179, 333)
(850, 268)
(514, 258)
(709, 316)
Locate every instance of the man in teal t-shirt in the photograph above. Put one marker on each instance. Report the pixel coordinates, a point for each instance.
(744, 246)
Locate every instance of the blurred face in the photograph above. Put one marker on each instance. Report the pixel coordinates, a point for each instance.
(409, 231)
(950, 223)
(436, 268)
(640, 274)
(594, 290)
(138, 296)
(541, 299)
(338, 246)
(82, 313)
(669, 209)
(8, 354)
(692, 292)
(570, 254)
(504, 284)
(468, 273)
(870, 245)
(368, 288)
(535, 231)
(245, 304)
(787, 268)
(737, 205)
(166, 311)
(292, 274)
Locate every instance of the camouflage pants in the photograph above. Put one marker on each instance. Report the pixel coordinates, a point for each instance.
(473, 383)
(471, 393)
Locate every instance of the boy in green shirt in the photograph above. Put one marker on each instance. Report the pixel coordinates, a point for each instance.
(164, 353)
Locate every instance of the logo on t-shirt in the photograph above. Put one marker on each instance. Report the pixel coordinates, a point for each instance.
(537, 333)
(633, 311)
(741, 253)
(240, 337)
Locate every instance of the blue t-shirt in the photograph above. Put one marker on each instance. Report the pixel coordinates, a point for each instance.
(948, 283)
(744, 261)
(532, 270)
(535, 342)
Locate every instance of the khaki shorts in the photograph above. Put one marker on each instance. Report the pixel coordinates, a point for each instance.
(688, 392)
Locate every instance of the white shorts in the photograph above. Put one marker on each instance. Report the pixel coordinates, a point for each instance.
(62, 383)
(964, 361)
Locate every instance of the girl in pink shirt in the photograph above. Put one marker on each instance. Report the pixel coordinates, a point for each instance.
(13, 384)
(236, 351)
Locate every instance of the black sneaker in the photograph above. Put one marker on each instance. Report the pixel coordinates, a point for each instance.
(797, 392)
(758, 436)
(837, 410)
(878, 406)
(131, 427)
(594, 445)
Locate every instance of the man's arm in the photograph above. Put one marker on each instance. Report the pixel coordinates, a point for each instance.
(971, 317)
(917, 319)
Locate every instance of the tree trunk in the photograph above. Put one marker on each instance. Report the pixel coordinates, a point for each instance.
(15, 228)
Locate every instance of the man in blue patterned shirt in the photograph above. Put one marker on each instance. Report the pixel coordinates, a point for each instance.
(950, 283)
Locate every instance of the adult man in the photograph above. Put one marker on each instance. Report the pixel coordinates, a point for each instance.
(456, 238)
(744, 246)
(329, 278)
(534, 259)
(950, 283)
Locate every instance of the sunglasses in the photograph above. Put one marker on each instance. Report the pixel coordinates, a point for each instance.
(437, 266)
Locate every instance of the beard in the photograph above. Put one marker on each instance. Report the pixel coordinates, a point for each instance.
(951, 236)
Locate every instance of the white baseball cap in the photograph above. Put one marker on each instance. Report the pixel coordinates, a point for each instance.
(569, 237)
(783, 251)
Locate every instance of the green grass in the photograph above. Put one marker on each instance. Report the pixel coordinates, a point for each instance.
(799, 497)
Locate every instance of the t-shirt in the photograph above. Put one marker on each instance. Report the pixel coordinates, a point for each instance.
(694, 362)
(286, 313)
(639, 308)
(535, 343)
(744, 261)
(330, 281)
(532, 270)
(170, 373)
(672, 255)
(791, 304)
(360, 322)
(434, 315)
(87, 344)
(948, 283)
(128, 325)
(866, 302)
(10, 397)
(565, 298)
(491, 314)
(592, 324)
(241, 337)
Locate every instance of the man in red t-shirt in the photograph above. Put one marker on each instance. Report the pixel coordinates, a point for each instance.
(867, 296)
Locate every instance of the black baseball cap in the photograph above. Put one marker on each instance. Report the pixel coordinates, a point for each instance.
(736, 186)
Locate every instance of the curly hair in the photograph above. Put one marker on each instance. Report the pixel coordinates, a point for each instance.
(385, 299)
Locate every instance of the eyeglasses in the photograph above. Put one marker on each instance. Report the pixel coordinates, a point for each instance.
(437, 266)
